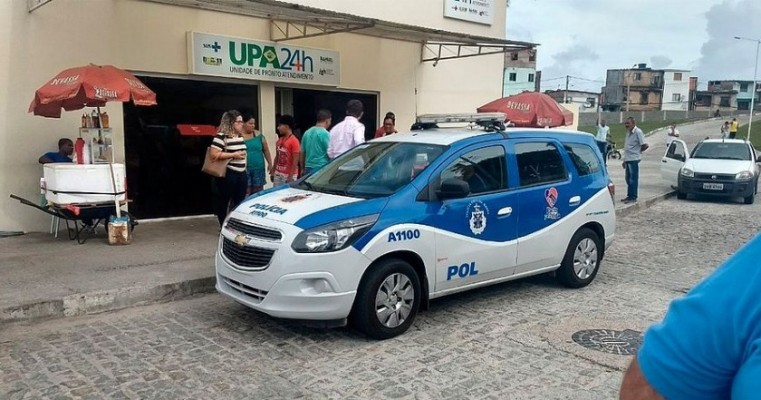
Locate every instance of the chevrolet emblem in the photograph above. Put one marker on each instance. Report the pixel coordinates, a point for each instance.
(241, 240)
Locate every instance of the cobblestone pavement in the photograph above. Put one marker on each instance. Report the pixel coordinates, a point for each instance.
(510, 341)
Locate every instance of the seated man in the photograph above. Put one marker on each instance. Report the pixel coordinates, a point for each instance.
(65, 150)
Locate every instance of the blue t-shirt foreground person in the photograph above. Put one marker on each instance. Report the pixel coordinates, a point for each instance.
(709, 343)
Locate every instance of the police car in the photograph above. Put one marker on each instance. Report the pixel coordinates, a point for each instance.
(393, 223)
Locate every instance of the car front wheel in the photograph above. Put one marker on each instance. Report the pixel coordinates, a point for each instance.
(388, 299)
(582, 259)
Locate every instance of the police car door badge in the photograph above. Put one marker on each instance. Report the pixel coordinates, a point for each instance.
(477, 212)
(551, 197)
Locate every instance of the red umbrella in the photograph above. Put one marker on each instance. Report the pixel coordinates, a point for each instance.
(89, 86)
(530, 109)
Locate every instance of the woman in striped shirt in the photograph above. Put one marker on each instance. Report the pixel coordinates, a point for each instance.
(230, 190)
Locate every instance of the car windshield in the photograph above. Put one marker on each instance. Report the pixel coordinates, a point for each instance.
(722, 151)
(373, 169)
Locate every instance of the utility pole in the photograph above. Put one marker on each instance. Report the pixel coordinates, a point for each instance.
(565, 94)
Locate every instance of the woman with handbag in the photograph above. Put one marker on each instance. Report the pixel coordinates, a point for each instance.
(228, 147)
(258, 152)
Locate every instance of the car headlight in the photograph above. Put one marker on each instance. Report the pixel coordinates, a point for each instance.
(688, 172)
(744, 176)
(334, 236)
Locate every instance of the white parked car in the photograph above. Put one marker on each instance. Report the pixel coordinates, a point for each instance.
(715, 167)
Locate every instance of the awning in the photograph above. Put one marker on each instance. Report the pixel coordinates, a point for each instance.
(294, 21)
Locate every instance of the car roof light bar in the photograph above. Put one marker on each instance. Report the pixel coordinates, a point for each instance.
(494, 121)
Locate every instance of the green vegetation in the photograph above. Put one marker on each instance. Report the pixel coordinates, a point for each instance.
(617, 131)
(755, 135)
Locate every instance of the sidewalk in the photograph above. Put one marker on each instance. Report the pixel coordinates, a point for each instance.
(43, 276)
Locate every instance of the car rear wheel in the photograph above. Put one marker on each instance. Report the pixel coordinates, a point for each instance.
(388, 300)
(582, 259)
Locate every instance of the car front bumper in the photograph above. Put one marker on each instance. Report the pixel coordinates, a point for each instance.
(724, 188)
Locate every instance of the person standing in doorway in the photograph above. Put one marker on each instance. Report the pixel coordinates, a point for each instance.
(349, 132)
(671, 134)
(602, 138)
(314, 144)
(287, 152)
(230, 190)
(383, 129)
(733, 128)
(634, 145)
(257, 152)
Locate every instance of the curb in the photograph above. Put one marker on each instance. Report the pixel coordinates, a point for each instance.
(107, 300)
(641, 206)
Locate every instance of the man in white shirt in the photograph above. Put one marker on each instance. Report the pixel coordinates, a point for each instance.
(349, 132)
(671, 134)
(602, 137)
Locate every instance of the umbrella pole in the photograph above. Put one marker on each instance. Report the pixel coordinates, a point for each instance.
(111, 170)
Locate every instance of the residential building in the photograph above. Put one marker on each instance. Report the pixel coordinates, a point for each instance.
(520, 73)
(203, 57)
(587, 101)
(727, 95)
(676, 89)
(633, 89)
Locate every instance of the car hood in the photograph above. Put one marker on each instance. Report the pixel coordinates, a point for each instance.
(289, 205)
(709, 166)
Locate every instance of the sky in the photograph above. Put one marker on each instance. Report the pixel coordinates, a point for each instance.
(584, 38)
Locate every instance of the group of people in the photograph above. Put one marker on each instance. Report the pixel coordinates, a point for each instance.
(247, 151)
(729, 129)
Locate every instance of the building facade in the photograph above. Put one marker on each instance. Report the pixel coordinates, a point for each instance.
(586, 101)
(332, 51)
(634, 89)
(520, 73)
(727, 96)
(676, 90)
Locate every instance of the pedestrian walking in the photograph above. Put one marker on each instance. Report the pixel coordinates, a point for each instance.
(383, 129)
(634, 145)
(349, 132)
(707, 346)
(733, 128)
(603, 131)
(725, 130)
(230, 190)
(257, 152)
(314, 144)
(288, 151)
(671, 134)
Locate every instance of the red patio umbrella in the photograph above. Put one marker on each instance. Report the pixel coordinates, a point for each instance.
(89, 86)
(530, 109)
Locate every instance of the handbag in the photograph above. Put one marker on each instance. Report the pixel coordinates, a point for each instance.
(215, 168)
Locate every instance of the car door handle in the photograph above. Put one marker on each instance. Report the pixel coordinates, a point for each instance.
(575, 201)
(503, 212)
(664, 160)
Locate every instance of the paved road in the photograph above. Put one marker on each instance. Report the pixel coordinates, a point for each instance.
(510, 341)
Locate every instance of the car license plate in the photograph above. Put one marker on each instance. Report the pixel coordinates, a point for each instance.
(713, 186)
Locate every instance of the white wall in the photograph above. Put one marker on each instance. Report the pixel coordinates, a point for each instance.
(148, 37)
(521, 82)
(670, 87)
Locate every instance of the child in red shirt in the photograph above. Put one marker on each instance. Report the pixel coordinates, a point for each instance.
(287, 151)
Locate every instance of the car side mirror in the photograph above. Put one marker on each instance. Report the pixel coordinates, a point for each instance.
(453, 188)
(758, 159)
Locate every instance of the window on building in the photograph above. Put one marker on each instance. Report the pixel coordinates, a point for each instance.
(592, 101)
(677, 76)
(584, 158)
(677, 97)
(656, 80)
(484, 169)
(532, 56)
(744, 87)
(539, 163)
(514, 56)
(530, 77)
(513, 77)
(637, 76)
(643, 97)
(724, 102)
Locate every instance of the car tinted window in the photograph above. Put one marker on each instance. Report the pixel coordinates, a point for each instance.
(676, 151)
(539, 163)
(722, 151)
(584, 158)
(484, 169)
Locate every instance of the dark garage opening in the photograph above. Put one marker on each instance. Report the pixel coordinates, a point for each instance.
(164, 177)
(307, 102)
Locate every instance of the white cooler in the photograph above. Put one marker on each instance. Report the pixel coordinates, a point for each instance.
(71, 177)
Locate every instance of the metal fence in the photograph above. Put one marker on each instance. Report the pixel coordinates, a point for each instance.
(614, 117)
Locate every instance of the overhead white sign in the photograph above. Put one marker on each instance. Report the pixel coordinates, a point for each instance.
(480, 11)
(262, 61)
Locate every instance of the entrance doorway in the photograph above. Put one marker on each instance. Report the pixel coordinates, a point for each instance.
(164, 177)
(306, 103)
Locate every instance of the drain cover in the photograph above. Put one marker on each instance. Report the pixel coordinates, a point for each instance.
(624, 343)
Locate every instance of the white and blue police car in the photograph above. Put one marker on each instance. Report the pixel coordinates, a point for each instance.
(393, 223)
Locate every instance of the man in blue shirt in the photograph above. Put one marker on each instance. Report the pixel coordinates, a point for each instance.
(634, 145)
(709, 343)
(65, 150)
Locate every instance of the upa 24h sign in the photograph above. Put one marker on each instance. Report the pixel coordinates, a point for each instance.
(263, 61)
